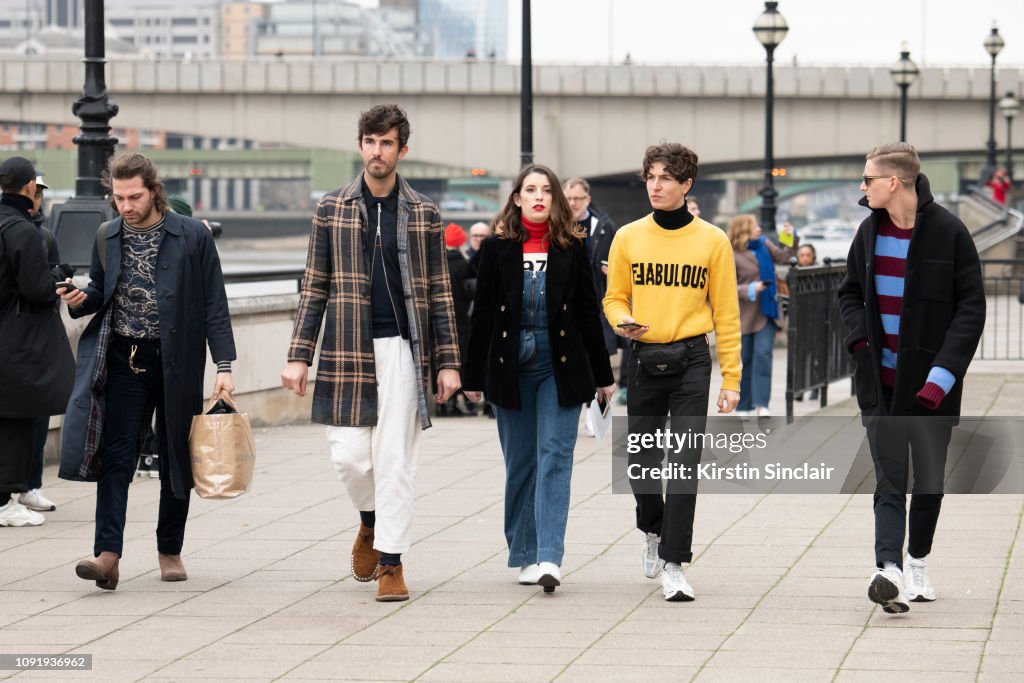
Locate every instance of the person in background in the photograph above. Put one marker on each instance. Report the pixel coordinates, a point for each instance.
(807, 256)
(536, 350)
(26, 284)
(459, 272)
(693, 206)
(33, 498)
(478, 232)
(760, 317)
(1000, 184)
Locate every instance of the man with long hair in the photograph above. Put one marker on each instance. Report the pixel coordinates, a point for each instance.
(914, 302)
(157, 293)
(377, 270)
(672, 281)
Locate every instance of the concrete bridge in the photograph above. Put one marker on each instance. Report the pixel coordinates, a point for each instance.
(592, 120)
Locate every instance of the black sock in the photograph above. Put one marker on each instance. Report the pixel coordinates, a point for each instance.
(368, 518)
(390, 559)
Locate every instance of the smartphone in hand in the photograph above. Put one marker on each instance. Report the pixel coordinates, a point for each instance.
(630, 326)
(68, 287)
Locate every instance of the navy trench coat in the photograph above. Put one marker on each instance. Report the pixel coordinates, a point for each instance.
(193, 311)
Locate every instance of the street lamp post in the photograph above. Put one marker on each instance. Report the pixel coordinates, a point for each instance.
(993, 45)
(770, 28)
(526, 94)
(904, 73)
(1010, 108)
(74, 222)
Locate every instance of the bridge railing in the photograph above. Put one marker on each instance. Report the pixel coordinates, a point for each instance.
(1003, 338)
(815, 355)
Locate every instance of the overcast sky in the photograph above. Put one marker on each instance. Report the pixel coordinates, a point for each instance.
(938, 32)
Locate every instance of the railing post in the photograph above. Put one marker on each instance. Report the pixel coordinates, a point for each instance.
(829, 304)
(791, 339)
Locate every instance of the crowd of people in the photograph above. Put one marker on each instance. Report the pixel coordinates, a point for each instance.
(522, 319)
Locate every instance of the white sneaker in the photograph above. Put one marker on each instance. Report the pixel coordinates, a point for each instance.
(550, 576)
(651, 562)
(16, 514)
(762, 411)
(34, 499)
(528, 575)
(918, 586)
(886, 589)
(674, 585)
(743, 414)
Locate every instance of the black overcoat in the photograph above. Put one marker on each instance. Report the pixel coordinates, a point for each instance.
(943, 309)
(193, 311)
(579, 358)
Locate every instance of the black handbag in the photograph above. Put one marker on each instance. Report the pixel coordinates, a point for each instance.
(663, 360)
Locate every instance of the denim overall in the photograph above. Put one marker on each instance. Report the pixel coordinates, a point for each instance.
(537, 442)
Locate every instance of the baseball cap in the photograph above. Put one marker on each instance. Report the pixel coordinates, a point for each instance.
(40, 184)
(16, 172)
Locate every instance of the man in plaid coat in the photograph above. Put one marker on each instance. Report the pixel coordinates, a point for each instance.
(377, 268)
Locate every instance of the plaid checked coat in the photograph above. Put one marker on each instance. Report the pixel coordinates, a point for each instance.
(337, 282)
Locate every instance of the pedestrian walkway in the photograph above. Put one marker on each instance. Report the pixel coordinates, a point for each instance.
(780, 579)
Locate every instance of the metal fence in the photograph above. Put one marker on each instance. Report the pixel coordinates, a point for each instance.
(1003, 338)
(815, 331)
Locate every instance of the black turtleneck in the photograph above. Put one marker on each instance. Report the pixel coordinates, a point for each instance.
(19, 202)
(673, 220)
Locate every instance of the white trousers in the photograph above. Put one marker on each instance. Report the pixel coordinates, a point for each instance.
(378, 464)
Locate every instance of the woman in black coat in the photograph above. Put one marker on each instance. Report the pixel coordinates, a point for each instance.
(536, 349)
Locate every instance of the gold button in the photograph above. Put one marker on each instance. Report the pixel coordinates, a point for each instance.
(563, 359)
(561, 333)
(504, 334)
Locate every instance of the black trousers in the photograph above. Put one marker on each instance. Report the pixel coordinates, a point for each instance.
(15, 455)
(131, 397)
(649, 401)
(927, 441)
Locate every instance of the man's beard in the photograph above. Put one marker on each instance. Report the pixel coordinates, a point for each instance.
(380, 171)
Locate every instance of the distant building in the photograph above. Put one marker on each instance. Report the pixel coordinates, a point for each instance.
(465, 28)
(239, 22)
(169, 30)
(336, 27)
(29, 136)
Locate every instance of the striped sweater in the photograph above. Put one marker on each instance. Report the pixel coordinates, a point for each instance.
(891, 246)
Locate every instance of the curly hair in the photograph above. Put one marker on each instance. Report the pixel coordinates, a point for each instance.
(680, 161)
(563, 228)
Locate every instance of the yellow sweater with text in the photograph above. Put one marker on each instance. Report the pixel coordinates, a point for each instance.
(680, 282)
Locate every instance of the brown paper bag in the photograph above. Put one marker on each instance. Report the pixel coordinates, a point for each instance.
(222, 451)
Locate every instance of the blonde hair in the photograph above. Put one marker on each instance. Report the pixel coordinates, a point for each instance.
(898, 158)
(739, 231)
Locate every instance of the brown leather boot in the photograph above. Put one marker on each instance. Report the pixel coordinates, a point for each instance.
(391, 584)
(171, 567)
(364, 557)
(101, 569)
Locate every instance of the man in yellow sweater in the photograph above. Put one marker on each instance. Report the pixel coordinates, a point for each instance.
(671, 281)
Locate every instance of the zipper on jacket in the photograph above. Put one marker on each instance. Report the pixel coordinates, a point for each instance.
(378, 242)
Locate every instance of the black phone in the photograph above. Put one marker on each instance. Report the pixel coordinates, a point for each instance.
(68, 287)
(630, 325)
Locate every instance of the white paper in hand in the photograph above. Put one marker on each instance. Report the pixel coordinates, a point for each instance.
(600, 419)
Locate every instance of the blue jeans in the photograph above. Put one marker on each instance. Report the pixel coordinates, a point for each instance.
(538, 443)
(756, 380)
